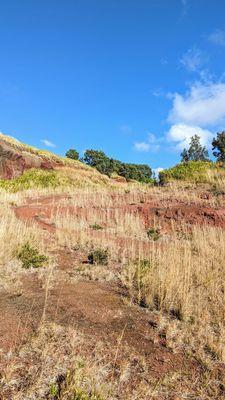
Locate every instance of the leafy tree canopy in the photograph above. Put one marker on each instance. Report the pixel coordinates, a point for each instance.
(108, 166)
(73, 154)
(195, 152)
(218, 144)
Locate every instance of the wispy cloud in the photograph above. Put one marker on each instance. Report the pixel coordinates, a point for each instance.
(158, 92)
(48, 143)
(164, 61)
(142, 146)
(150, 144)
(184, 4)
(126, 129)
(217, 37)
(193, 59)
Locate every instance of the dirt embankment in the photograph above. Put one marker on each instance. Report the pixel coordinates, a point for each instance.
(172, 215)
(14, 161)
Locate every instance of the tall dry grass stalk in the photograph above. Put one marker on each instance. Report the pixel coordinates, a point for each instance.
(14, 233)
(186, 280)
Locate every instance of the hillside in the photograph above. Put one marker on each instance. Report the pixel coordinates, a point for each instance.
(24, 167)
(109, 290)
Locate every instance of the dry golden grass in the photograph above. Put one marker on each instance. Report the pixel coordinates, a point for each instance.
(64, 366)
(182, 282)
(185, 280)
(14, 233)
(185, 276)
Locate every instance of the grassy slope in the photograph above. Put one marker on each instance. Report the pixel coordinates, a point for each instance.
(67, 173)
(193, 171)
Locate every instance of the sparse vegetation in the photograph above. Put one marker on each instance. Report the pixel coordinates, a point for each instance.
(74, 387)
(98, 256)
(153, 234)
(179, 281)
(30, 256)
(136, 278)
(96, 227)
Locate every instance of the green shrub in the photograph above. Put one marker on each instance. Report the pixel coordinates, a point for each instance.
(53, 391)
(96, 227)
(192, 171)
(34, 178)
(30, 256)
(99, 256)
(153, 234)
(72, 154)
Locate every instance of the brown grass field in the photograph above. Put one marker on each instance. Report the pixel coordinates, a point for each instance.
(130, 301)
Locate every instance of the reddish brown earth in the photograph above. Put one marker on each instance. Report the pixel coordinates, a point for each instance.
(98, 310)
(14, 161)
(152, 213)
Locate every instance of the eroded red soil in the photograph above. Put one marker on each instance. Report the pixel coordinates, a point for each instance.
(99, 310)
(173, 214)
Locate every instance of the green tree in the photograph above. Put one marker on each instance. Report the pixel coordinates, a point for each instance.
(105, 165)
(98, 160)
(218, 144)
(184, 156)
(195, 152)
(73, 154)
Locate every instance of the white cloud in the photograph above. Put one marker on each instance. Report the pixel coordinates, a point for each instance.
(142, 146)
(217, 37)
(157, 171)
(203, 105)
(181, 135)
(47, 143)
(193, 59)
(151, 144)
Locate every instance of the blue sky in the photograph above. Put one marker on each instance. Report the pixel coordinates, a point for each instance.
(135, 78)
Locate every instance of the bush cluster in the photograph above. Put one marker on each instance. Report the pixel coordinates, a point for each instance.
(109, 166)
(30, 256)
(98, 256)
(194, 171)
(153, 234)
